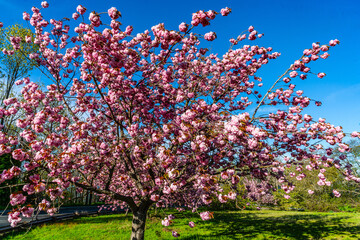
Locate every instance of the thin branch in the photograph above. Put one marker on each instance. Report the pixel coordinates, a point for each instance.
(267, 93)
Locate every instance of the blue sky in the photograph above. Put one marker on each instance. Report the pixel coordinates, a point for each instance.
(289, 27)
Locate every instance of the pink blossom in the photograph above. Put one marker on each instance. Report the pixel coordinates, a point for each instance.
(14, 218)
(252, 143)
(211, 14)
(252, 36)
(183, 27)
(324, 55)
(26, 16)
(103, 145)
(321, 75)
(75, 16)
(343, 147)
(191, 224)
(317, 103)
(155, 197)
(321, 183)
(222, 198)
(27, 40)
(27, 211)
(167, 190)
(334, 42)
(95, 19)
(175, 234)
(324, 48)
(286, 196)
(206, 199)
(336, 193)
(231, 195)
(286, 80)
(314, 57)
(293, 74)
(44, 204)
(235, 179)
(203, 147)
(210, 36)
(310, 191)
(225, 11)
(17, 199)
(355, 134)
(19, 155)
(51, 211)
(114, 13)
(29, 188)
(45, 4)
(231, 172)
(166, 222)
(306, 60)
(206, 215)
(307, 52)
(299, 92)
(81, 9)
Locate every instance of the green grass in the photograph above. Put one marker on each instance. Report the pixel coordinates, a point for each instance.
(226, 225)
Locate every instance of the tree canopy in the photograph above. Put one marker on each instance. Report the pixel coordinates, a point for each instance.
(157, 118)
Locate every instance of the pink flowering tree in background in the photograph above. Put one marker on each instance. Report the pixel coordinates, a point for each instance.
(259, 191)
(155, 118)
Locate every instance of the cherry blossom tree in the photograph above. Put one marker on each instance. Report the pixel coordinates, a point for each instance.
(259, 191)
(155, 117)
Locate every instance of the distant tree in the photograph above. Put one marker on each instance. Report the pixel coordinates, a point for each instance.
(318, 191)
(259, 191)
(352, 160)
(15, 64)
(353, 156)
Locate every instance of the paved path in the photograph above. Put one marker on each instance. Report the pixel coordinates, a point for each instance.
(43, 215)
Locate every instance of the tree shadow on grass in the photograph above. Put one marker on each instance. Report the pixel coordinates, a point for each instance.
(304, 226)
(102, 219)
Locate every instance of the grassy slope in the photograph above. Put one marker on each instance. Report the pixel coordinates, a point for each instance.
(226, 225)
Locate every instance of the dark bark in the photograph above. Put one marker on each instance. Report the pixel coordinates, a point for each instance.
(138, 225)
(139, 220)
(90, 198)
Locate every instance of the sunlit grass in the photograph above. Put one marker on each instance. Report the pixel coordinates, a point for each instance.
(226, 225)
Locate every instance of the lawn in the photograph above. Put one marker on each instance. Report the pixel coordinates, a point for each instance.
(226, 225)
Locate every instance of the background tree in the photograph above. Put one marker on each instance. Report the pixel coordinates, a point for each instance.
(352, 160)
(16, 64)
(353, 156)
(156, 119)
(313, 194)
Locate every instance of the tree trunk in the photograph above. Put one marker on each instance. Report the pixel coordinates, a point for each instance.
(139, 220)
(138, 225)
(90, 198)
